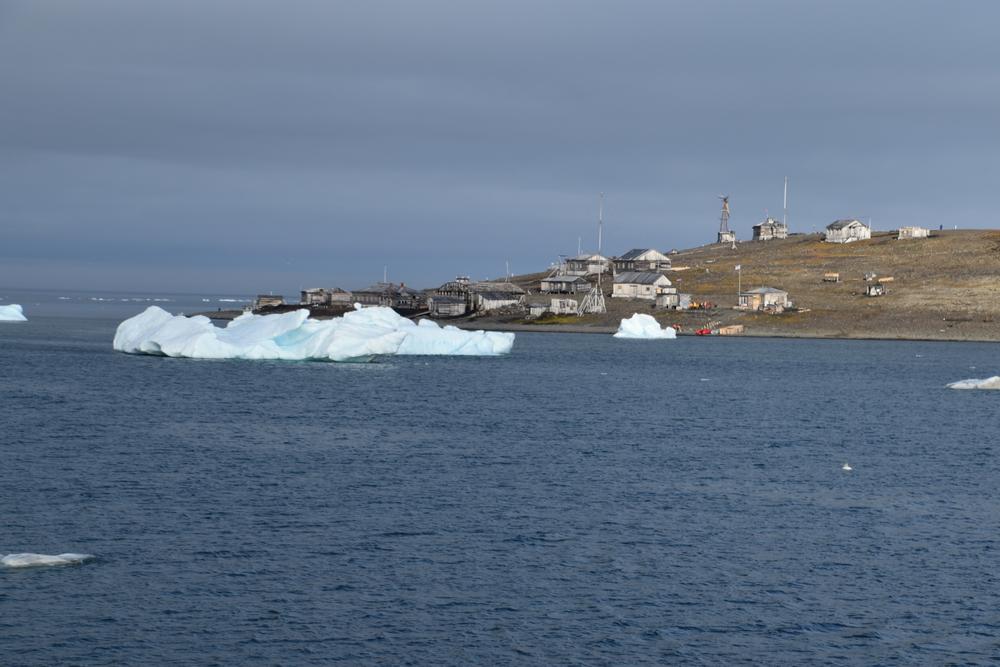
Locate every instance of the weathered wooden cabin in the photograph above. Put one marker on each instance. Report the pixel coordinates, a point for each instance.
(586, 265)
(770, 229)
(846, 231)
(321, 296)
(764, 298)
(641, 285)
(912, 233)
(564, 285)
(398, 297)
(447, 306)
(268, 301)
(642, 259)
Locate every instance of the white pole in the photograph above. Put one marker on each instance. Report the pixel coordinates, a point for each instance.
(784, 217)
(600, 222)
(579, 246)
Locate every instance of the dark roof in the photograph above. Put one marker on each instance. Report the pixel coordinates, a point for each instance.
(840, 224)
(564, 279)
(633, 253)
(638, 277)
(447, 299)
(497, 296)
(497, 287)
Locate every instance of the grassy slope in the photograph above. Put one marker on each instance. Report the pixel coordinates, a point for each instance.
(946, 287)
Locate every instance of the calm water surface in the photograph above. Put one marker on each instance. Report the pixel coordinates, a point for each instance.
(581, 501)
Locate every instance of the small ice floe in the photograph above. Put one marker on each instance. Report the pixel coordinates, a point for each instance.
(846, 467)
(645, 327)
(987, 383)
(12, 313)
(43, 560)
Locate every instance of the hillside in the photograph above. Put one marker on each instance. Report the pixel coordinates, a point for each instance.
(945, 287)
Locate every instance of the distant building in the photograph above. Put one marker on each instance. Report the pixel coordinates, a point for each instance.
(913, 233)
(564, 307)
(268, 301)
(641, 285)
(764, 298)
(726, 237)
(320, 296)
(642, 259)
(585, 265)
(565, 285)
(845, 231)
(476, 296)
(447, 306)
(391, 295)
(770, 229)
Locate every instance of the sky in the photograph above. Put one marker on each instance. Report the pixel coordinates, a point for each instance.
(245, 146)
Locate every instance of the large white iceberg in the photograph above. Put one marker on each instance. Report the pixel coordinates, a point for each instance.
(988, 383)
(41, 560)
(643, 326)
(12, 313)
(359, 334)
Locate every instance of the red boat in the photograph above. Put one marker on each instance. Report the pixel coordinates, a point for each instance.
(703, 332)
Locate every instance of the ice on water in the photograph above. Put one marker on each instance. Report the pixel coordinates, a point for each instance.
(988, 383)
(364, 332)
(42, 560)
(12, 313)
(643, 326)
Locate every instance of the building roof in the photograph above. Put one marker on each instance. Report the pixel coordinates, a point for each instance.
(840, 224)
(640, 277)
(594, 257)
(448, 299)
(764, 290)
(564, 279)
(497, 288)
(389, 288)
(770, 222)
(500, 296)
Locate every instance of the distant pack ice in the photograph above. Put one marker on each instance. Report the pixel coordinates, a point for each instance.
(12, 313)
(359, 334)
(643, 326)
(988, 383)
(42, 560)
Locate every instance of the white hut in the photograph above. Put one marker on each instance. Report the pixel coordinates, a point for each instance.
(641, 285)
(845, 231)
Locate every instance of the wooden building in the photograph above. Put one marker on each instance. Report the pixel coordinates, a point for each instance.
(642, 259)
(641, 285)
(913, 233)
(268, 301)
(399, 297)
(764, 298)
(770, 229)
(321, 296)
(447, 306)
(846, 231)
(565, 285)
(586, 265)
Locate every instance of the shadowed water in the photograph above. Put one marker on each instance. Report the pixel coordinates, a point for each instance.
(583, 500)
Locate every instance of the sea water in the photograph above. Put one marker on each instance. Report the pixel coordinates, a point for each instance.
(584, 500)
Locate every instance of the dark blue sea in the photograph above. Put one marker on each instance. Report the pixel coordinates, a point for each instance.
(583, 501)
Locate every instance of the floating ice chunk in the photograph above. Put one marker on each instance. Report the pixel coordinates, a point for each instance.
(12, 313)
(42, 560)
(643, 326)
(359, 334)
(988, 383)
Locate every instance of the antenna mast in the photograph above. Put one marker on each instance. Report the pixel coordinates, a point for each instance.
(594, 301)
(784, 216)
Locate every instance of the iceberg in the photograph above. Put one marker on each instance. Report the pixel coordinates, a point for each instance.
(988, 383)
(42, 560)
(641, 326)
(12, 313)
(360, 334)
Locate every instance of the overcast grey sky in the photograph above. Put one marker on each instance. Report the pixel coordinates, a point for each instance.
(204, 145)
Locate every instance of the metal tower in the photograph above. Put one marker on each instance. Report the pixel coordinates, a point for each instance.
(594, 301)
